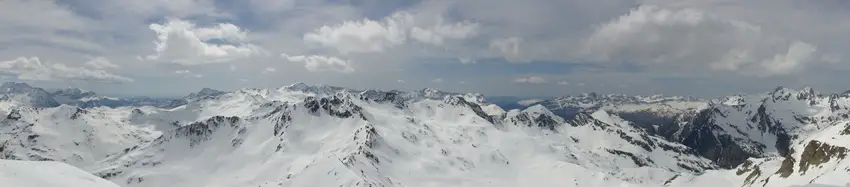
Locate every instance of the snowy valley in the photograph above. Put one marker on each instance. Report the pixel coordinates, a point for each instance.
(319, 135)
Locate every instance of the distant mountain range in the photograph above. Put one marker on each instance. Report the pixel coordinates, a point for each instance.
(320, 135)
(38, 97)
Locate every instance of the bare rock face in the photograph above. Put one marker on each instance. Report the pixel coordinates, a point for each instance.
(817, 153)
(702, 136)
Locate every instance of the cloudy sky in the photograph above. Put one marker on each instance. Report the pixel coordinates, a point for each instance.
(495, 47)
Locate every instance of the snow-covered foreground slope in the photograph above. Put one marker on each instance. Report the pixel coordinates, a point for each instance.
(47, 174)
(305, 135)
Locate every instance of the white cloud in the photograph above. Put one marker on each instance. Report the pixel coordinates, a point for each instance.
(437, 34)
(651, 35)
(321, 63)
(530, 80)
(508, 48)
(232, 67)
(363, 36)
(581, 84)
(223, 31)
(101, 63)
(437, 80)
(400, 81)
(564, 83)
(182, 42)
(188, 74)
(33, 69)
(367, 36)
(269, 70)
(528, 102)
(780, 63)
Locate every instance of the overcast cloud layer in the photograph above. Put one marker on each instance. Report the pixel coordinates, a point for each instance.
(496, 47)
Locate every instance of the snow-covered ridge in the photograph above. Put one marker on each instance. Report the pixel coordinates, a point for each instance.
(594, 100)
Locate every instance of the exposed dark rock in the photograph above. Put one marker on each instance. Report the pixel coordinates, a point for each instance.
(751, 178)
(78, 112)
(540, 120)
(366, 138)
(544, 121)
(671, 179)
(334, 106)
(200, 131)
(459, 101)
(14, 115)
(846, 130)
(395, 97)
(817, 153)
(718, 148)
(744, 168)
(787, 166)
(640, 162)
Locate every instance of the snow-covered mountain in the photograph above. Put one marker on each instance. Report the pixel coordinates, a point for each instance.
(319, 135)
(22, 94)
(77, 136)
(647, 112)
(571, 105)
(295, 137)
(71, 95)
(783, 137)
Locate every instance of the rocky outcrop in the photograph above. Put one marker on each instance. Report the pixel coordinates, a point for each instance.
(337, 106)
(817, 153)
(201, 131)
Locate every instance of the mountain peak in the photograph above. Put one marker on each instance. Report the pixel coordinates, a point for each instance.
(14, 87)
(206, 92)
(781, 93)
(73, 93)
(320, 89)
(430, 90)
(297, 85)
(27, 94)
(209, 91)
(807, 93)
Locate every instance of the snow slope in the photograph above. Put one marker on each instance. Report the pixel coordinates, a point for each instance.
(77, 136)
(46, 174)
